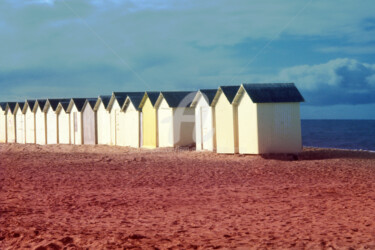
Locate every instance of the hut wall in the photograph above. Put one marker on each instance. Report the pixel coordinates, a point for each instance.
(183, 126)
(51, 126)
(3, 127)
(132, 126)
(20, 127)
(149, 127)
(40, 127)
(76, 126)
(104, 128)
(63, 119)
(30, 126)
(89, 125)
(165, 125)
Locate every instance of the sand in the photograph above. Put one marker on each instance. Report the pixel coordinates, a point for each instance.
(101, 197)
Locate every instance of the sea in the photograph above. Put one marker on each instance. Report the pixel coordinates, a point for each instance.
(342, 134)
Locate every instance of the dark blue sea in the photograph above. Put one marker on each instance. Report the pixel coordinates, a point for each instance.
(343, 134)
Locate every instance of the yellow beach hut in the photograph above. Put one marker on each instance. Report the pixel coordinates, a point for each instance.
(20, 123)
(63, 121)
(175, 118)
(226, 120)
(204, 120)
(11, 122)
(132, 120)
(103, 120)
(3, 122)
(269, 118)
(40, 122)
(149, 119)
(29, 121)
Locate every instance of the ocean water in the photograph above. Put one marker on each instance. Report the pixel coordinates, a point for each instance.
(343, 134)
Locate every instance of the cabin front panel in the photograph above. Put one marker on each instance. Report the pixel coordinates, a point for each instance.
(64, 127)
(149, 126)
(40, 127)
(247, 126)
(104, 128)
(115, 122)
(89, 125)
(75, 126)
(225, 129)
(279, 128)
(165, 125)
(30, 126)
(204, 129)
(51, 126)
(132, 126)
(183, 126)
(11, 128)
(20, 127)
(3, 127)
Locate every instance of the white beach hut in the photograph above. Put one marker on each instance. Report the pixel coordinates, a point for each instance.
(132, 120)
(51, 119)
(175, 118)
(3, 122)
(226, 120)
(117, 117)
(63, 120)
(103, 120)
(40, 122)
(269, 118)
(29, 121)
(204, 120)
(89, 122)
(11, 122)
(20, 123)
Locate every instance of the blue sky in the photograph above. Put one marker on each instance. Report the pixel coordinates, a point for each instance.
(86, 48)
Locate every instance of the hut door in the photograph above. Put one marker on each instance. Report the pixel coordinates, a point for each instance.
(140, 129)
(75, 126)
(117, 125)
(206, 129)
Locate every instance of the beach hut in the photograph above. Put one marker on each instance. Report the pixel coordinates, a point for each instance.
(117, 117)
(226, 124)
(132, 120)
(79, 122)
(63, 122)
(149, 119)
(40, 122)
(29, 121)
(51, 119)
(175, 118)
(103, 120)
(3, 122)
(269, 118)
(204, 120)
(89, 122)
(20, 123)
(11, 122)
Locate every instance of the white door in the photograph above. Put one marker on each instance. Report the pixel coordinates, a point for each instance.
(51, 128)
(165, 122)
(20, 129)
(206, 128)
(40, 128)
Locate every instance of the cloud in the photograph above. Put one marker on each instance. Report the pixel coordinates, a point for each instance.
(339, 81)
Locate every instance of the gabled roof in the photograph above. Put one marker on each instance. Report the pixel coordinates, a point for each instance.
(120, 97)
(41, 103)
(152, 95)
(20, 106)
(3, 105)
(272, 92)
(30, 103)
(230, 92)
(105, 99)
(78, 102)
(207, 94)
(55, 102)
(64, 105)
(91, 102)
(11, 106)
(135, 98)
(178, 98)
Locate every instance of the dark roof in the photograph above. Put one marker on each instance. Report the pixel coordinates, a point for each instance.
(230, 92)
(153, 96)
(179, 98)
(31, 103)
(55, 102)
(65, 105)
(92, 102)
(273, 92)
(105, 100)
(42, 103)
(79, 102)
(12, 106)
(209, 94)
(121, 97)
(3, 105)
(21, 105)
(136, 98)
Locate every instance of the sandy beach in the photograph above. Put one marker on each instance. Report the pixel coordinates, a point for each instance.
(102, 197)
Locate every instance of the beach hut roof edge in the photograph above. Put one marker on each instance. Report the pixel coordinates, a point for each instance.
(272, 92)
(3, 105)
(103, 99)
(62, 105)
(152, 95)
(177, 98)
(135, 98)
(11, 106)
(29, 103)
(78, 102)
(208, 95)
(228, 91)
(54, 103)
